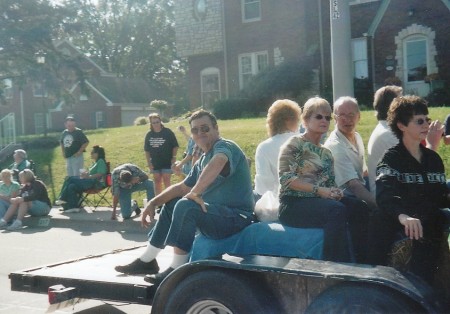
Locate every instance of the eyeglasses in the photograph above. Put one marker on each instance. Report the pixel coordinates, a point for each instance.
(203, 129)
(155, 122)
(421, 121)
(320, 117)
(349, 116)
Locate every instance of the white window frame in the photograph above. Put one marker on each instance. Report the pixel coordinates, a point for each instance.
(405, 51)
(205, 72)
(83, 97)
(8, 88)
(353, 2)
(99, 117)
(254, 65)
(243, 10)
(39, 122)
(39, 89)
(359, 58)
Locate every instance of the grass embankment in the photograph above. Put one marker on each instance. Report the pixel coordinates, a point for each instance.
(125, 144)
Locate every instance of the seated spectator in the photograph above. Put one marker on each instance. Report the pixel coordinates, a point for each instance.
(8, 189)
(347, 148)
(190, 156)
(281, 124)
(73, 187)
(129, 178)
(309, 197)
(215, 198)
(20, 163)
(33, 199)
(411, 187)
(382, 137)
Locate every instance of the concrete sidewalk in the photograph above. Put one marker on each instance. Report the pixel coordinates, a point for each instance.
(96, 219)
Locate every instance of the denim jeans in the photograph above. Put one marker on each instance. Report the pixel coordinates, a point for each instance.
(4, 205)
(39, 208)
(72, 189)
(180, 218)
(125, 196)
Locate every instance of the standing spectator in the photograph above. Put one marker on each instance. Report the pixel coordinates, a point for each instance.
(382, 137)
(32, 199)
(73, 145)
(411, 187)
(282, 123)
(73, 187)
(126, 179)
(160, 148)
(347, 148)
(215, 198)
(8, 189)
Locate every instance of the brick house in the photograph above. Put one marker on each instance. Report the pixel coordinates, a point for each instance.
(227, 42)
(107, 101)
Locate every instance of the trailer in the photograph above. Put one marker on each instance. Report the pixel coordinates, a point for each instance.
(233, 284)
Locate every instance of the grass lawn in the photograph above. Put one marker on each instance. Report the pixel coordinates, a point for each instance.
(125, 144)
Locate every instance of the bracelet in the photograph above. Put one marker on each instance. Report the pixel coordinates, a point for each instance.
(315, 189)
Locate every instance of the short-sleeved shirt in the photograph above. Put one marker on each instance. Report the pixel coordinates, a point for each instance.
(72, 141)
(307, 162)
(160, 145)
(233, 187)
(135, 172)
(8, 190)
(24, 164)
(381, 139)
(266, 162)
(99, 167)
(349, 162)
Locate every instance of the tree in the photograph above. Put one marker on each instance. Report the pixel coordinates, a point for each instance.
(159, 105)
(132, 38)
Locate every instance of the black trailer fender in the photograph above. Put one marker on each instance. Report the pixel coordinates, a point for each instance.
(281, 284)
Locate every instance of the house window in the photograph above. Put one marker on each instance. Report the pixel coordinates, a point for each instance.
(359, 56)
(7, 89)
(39, 90)
(251, 64)
(39, 125)
(83, 97)
(251, 10)
(416, 59)
(99, 119)
(210, 86)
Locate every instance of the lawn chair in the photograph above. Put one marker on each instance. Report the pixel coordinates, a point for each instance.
(94, 197)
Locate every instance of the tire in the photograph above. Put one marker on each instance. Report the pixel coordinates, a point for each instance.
(357, 298)
(221, 292)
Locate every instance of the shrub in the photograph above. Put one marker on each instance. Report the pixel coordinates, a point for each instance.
(233, 108)
(47, 142)
(141, 121)
(363, 92)
(438, 97)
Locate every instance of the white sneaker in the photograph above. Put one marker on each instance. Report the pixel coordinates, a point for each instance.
(60, 202)
(3, 224)
(72, 210)
(17, 224)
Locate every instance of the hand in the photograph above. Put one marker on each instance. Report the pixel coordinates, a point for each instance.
(84, 175)
(413, 226)
(197, 198)
(329, 193)
(434, 135)
(149, 211)
(337, 194)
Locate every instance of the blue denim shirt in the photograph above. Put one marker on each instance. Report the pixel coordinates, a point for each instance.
(235, 189)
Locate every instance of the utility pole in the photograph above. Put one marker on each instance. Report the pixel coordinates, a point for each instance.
(341, 49)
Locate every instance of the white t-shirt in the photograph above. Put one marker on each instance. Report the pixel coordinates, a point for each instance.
(349, 162)
(266, 162)
(381, 139)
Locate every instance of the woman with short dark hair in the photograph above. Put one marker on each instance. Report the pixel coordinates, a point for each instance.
(73, 187)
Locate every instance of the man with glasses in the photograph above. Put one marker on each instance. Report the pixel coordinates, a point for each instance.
(347, 148)
(215, 198)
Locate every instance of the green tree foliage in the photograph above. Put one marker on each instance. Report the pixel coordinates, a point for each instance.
(132, 38)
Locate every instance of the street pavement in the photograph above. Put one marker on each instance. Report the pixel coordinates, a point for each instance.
(62, 237)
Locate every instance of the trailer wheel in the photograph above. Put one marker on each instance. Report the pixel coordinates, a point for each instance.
(356, 298)
(221, 292)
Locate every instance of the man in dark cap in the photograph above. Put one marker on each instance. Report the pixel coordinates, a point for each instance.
(73, 144)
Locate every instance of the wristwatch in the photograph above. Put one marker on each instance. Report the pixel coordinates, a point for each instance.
(315, 189)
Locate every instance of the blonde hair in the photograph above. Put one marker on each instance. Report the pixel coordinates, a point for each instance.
(315, 104)
(279, 112)
(154, 115)
(27, 174)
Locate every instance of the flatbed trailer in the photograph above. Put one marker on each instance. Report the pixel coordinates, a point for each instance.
(230, 284)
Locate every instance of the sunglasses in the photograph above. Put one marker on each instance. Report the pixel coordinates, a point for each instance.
(156, 122)
(203, 129)
(349, 116)
(320, 117)
(421, 121)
